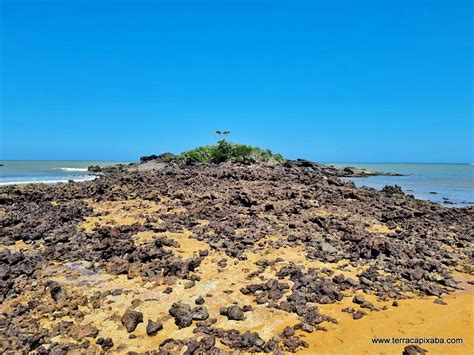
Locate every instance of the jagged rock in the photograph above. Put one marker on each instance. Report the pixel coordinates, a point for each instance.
(200, 313)
(153, 327)
(182, 314)
(233, 313)
(79, 332)
(418, 247)
(131, 319)
(57, 292)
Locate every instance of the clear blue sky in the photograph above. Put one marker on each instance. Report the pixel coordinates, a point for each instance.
(360, 81)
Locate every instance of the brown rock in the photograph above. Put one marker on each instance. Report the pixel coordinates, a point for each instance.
(131, 319)
(79, 332)
(153, 327)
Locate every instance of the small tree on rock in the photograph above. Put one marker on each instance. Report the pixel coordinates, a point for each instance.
(221, 135)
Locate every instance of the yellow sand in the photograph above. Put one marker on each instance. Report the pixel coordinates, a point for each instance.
(19, 245)
(379, 229)
(413, 318)
(419, 318)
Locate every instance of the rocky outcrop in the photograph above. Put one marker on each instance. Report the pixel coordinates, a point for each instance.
(397, 244)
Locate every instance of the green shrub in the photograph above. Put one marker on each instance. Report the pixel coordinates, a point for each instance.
(227, 151)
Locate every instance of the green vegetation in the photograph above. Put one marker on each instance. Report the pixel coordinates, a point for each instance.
(167, 157)
(225, 151)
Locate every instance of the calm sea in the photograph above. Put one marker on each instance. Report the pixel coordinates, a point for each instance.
(46, 171)
(434, 182)
(426, 181)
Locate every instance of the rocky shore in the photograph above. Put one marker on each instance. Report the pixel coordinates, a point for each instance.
(224, 258)
(157, 162)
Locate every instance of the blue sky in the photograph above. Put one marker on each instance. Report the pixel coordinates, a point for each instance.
(338, 81)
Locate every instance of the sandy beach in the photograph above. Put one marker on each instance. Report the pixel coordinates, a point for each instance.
(230, 258)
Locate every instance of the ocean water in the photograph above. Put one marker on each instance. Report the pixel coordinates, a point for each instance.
(46, 171)
(434, 182)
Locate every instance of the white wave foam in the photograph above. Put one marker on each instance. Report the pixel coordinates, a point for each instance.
(21, 182)
(71, 169)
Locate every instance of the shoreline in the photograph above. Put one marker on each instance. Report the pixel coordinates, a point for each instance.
(47, 182)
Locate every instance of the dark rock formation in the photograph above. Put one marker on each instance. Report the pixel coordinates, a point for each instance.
(131, 319)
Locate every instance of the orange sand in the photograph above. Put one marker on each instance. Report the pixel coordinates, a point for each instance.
(413, 318)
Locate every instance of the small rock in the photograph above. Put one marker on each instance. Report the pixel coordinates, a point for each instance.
(131, 319)
(182, 314)
(338, 279)
(232, 313)
(153, 327)
(325, 300)
(117, 292)
(367, 304)
(252, 339)
(57, 293)
(207, 322)
(79, 332)
(357, 315)
(358, 299)
(208, 342)
(85, 344)
(107, 344)
(413, 350)
(200, 313)
(328, 248)
(288, 332)
(189, 284)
